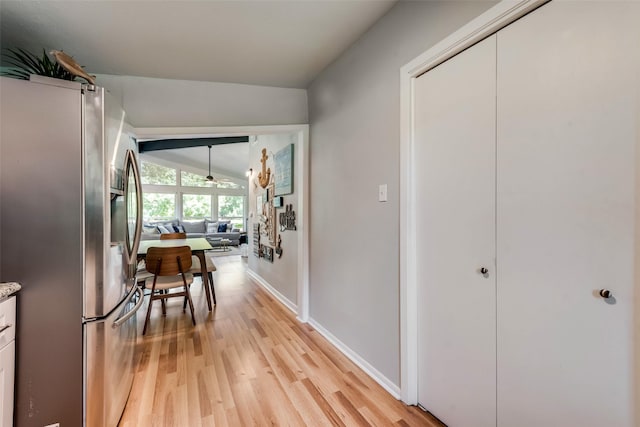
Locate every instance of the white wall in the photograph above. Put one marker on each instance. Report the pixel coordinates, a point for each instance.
(281, 275)
(355, 146)
(151, 102)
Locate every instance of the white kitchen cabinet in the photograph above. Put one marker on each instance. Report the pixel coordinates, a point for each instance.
(527, 151)
(7, 359)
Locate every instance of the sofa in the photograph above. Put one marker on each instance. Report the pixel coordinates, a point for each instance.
(211, 230)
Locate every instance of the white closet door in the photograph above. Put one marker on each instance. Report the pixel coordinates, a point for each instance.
(455, 183)
(567, 133)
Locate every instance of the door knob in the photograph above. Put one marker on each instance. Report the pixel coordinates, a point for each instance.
(605, 293)
(484, 271)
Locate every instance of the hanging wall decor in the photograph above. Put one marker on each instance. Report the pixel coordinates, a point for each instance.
(283, 161)
(279, 247)
(264, 177)
(259, 205)
(287, 219)
(263, 216)
(256, 240)
(267, 253)
(272, 219)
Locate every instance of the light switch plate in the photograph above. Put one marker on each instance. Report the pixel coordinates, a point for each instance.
(382, 193)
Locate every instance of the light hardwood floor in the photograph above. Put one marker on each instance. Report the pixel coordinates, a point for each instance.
(250, 363)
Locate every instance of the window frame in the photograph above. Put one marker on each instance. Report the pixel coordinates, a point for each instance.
(179, 191)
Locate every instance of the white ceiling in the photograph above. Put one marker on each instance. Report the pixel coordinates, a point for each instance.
(265, 42)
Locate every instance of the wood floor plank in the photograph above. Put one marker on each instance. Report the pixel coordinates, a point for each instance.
(353, 412)
(205, 395)
(249, 362)
(308, 408)
(224, 383)
(322, 403)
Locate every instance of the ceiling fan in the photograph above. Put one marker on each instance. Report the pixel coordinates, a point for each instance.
(210, 178)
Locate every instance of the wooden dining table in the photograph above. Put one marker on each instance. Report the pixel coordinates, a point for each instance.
(198, 245)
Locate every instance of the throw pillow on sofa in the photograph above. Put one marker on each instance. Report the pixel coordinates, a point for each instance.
(164, 229)
(222, 228)
(150, 229)
(212, 227)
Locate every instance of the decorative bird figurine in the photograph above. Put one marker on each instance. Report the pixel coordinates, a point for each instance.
(69, 64)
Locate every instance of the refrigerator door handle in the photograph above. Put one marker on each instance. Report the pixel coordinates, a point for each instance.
(118, 322)
(136, 172)
(132, 164)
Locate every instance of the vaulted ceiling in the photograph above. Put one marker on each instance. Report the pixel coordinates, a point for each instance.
(230, 160)
(265, 42)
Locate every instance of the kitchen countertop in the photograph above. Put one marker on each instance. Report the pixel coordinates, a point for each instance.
(9, 288)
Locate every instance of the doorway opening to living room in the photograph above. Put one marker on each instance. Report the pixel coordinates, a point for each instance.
(178, 196)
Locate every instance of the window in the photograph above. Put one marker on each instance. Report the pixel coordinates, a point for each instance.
(157, 175)
(196, 206)
(157, 206)
(188, 179)
(223, 183)
(170, 193)
(232, 208)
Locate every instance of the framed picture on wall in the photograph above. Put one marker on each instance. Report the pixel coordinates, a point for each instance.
(259, 207)
(270, 213)
(267, 253)
(283, 161)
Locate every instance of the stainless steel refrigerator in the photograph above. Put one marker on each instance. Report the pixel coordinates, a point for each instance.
(70, 219)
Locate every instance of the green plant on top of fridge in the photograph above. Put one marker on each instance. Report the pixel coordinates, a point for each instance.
(23, 63)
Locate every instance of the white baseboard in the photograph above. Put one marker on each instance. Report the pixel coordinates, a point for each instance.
(385, 382)
(273, 291)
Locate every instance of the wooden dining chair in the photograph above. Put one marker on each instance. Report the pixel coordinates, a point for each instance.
(142, 274)
(197, 271)
(170, 268)
(195, 261)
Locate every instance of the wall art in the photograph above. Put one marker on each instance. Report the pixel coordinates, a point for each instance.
(283, 164)
(259, 207)
(264, 177)
(256, 240)
(271, 221)
(279, 247)
(287, 219)
(267, 253)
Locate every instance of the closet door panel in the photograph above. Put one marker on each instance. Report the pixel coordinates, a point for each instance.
(455, 184)
(566, 180)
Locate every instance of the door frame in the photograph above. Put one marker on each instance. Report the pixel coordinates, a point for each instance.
(301, 184)
(499, 16)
